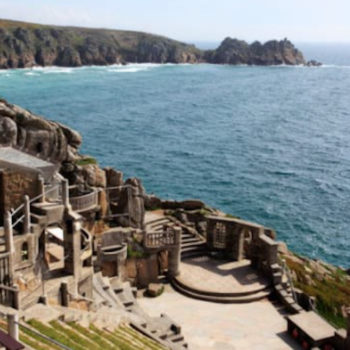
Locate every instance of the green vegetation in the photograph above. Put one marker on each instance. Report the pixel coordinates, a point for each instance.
(54, 334)
(230, 216)
(132, 253)
(86, 161)
(77, 337)
(159, 293)
(30, 336)
(330, 287)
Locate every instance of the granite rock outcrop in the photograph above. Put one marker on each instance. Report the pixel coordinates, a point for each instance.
(24, 45)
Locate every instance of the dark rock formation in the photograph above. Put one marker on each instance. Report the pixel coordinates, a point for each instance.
(133, 203)
(46, 139)
(27, 45)
(233, 51)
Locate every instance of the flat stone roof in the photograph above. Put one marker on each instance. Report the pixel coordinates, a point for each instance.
(11, 158)
(313, 325)
(14, 156)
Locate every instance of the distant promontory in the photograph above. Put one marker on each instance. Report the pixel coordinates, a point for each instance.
(25, 45)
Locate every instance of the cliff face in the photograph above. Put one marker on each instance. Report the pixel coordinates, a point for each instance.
(27, 45)
(233, 51)
(46, 139)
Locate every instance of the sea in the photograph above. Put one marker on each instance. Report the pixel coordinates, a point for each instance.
(266, 144)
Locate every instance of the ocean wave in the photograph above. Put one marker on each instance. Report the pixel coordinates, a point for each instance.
(134, 67)
(31, 74)
(334, 66)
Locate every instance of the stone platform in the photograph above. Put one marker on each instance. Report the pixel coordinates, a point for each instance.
(220, 281)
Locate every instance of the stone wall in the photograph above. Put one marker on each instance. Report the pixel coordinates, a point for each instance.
(14, 185)
(230, 236)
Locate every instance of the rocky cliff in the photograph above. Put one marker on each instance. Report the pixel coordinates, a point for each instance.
(233, 51)
(35, 135)
(27, 45)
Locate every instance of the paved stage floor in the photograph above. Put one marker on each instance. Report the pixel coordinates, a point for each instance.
(209, 326)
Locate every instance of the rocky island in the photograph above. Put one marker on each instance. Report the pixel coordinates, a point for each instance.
(24, 45)
(81, 248)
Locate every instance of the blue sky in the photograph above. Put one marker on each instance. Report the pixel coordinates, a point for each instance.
(197, 20)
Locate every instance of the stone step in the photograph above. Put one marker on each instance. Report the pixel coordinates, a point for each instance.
(261, 288)
(190, 240)
(197, 244)
(175, 338)
(221, 299)
(37, 219)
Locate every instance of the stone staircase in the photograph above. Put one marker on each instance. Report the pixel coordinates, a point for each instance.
(192, 244)
(113, 295)
(284, 289)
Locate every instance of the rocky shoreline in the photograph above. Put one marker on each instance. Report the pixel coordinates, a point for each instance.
(26, 45)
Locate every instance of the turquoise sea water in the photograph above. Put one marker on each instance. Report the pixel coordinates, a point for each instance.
(267, 144)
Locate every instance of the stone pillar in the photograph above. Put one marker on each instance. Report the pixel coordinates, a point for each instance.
(26, 221)
(42, 187)
(273, 253)
(64, 294)
(15, 301)
(9, 241)
(239, 253)
(12, 326)
(65, 193)
(72, 248)
(174, 257)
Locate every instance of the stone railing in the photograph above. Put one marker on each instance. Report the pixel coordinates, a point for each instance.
(169, 237)
(85, 202)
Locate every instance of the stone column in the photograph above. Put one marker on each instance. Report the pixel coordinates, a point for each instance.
(26, 221)
(65, 193)
(174, 257)
(64, 294)
(72, 248)
(42, 187)
(12, 326)
(9, 241)
(239, 254)
(16, 302)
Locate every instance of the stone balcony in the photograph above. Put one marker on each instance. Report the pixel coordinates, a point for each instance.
(84, 202)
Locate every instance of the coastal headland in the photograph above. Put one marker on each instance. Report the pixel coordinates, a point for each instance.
(25, 45)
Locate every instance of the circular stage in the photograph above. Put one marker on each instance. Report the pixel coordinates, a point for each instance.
(221, 281)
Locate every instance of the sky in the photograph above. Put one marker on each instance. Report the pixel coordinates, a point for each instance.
(196, 20)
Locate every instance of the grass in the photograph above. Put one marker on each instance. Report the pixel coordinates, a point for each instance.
(332, 292)
(152, 344)
(77, 337)
(30, 335)
(73, 336)
(86, 161)
(131, 253)
(91, 335)
(120, 344)
(52, 333)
